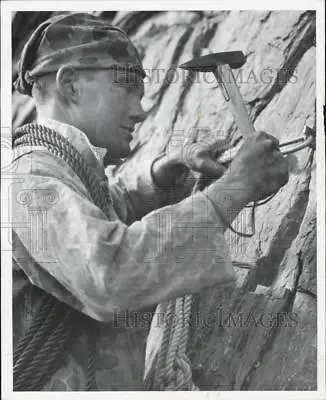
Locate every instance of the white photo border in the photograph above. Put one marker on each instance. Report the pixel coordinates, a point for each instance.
(7, 7)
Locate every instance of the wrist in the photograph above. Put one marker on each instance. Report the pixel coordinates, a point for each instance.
(242, 193)
(230, 197)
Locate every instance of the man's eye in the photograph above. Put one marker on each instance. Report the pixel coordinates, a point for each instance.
(122, 83)
(129, 86)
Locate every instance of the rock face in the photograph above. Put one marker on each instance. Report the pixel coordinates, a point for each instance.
(260, 335)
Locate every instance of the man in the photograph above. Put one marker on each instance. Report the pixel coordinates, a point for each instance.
(98, 248)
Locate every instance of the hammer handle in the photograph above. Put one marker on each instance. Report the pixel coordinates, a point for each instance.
(232, 95)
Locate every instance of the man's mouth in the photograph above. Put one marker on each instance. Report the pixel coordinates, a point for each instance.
(130, 130)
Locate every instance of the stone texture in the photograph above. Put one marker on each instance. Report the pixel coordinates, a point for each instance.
(290, 361)
(260, 334)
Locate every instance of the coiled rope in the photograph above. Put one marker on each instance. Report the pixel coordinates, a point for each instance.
(42, 349)
(172, 370)
(39, 135)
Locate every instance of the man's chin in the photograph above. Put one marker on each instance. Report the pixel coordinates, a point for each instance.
(116, 157)
(124, 152)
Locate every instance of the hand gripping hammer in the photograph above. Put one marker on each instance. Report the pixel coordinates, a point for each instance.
(221, 64)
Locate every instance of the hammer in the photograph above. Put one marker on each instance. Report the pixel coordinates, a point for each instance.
(221, 64)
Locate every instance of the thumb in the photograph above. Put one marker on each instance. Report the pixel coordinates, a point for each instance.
(218, 147)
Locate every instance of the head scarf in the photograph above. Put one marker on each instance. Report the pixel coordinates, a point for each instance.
(78, 40)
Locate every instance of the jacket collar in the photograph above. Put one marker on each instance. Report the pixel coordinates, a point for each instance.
(93, 155)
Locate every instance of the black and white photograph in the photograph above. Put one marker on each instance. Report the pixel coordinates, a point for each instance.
(162, 198)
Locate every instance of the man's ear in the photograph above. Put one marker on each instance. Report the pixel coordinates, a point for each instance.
(67, 83)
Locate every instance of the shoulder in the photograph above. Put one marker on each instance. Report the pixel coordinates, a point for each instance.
(37, 165)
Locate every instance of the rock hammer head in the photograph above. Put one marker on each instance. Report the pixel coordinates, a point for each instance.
(209, 62)
(221, 65)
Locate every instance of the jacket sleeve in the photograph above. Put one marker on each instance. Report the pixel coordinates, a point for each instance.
(135, 195)
(70, 249)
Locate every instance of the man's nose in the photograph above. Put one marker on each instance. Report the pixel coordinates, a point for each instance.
(138, 114)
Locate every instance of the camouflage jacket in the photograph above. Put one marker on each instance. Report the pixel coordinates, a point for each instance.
(113, 270)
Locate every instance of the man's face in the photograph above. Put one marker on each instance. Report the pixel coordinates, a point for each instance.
(109, 108)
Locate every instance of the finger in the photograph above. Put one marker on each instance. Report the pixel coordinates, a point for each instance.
(293, 163)
(274, 157)
(279, 156)
(279, 173)
(190, 155)
(219, 147)
(212, 168)
(216, 148)
(270, 140)
(284, 168)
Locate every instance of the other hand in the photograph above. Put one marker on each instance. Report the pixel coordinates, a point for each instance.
(259, 165)
(202, 156)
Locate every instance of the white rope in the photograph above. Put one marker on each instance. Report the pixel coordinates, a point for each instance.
(172, 370)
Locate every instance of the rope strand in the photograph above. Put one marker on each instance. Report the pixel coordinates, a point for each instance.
(22, 344)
